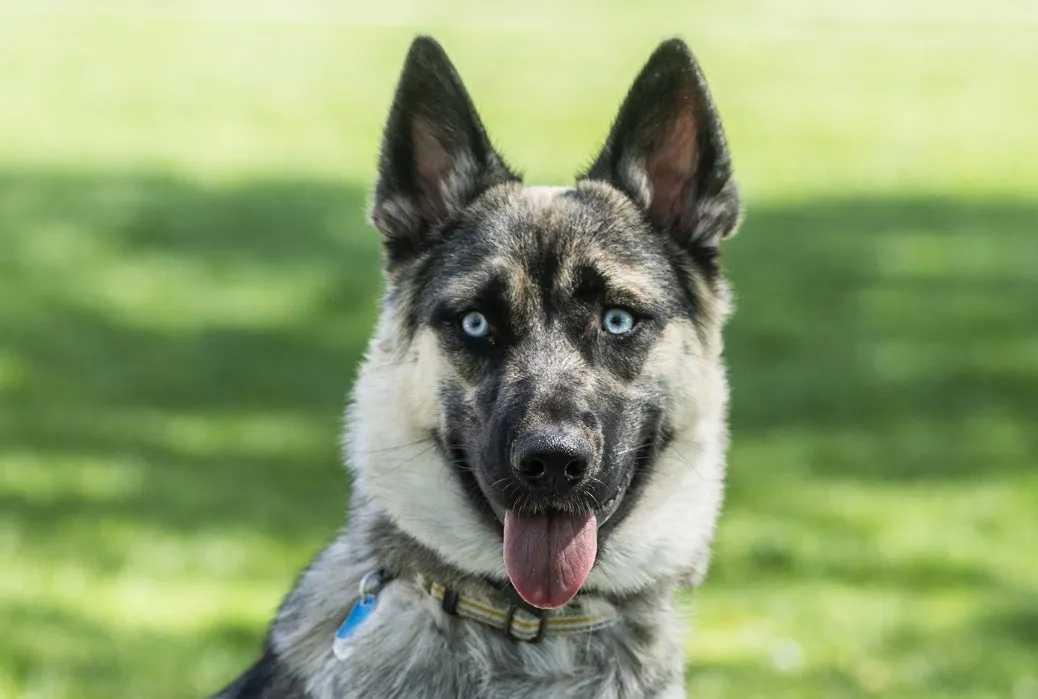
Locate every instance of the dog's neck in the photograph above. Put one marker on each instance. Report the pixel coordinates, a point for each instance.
(646, 629)
(403, 556)
(479, 599)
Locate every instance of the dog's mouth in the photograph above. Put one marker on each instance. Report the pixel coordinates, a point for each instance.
(603, 512)
(550, 550)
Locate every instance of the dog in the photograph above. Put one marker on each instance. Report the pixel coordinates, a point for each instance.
(537, 433)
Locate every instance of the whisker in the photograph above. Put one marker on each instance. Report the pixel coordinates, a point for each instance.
(410, 459)
(382, 450)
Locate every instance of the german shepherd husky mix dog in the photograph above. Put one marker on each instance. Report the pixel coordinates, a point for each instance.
(537, 434)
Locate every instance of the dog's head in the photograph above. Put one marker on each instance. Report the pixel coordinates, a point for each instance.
(544, 397)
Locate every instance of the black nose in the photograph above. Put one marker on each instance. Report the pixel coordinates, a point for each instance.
(552, 461)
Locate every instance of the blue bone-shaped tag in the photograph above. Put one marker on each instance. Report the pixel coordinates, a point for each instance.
(359, 613)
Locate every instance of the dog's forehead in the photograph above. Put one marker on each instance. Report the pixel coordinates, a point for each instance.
(585, 213)
(535, 244)
(557, 228)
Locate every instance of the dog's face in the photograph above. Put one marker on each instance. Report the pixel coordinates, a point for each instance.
(544, 396)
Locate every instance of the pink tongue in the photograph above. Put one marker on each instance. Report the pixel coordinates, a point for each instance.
(548, 557)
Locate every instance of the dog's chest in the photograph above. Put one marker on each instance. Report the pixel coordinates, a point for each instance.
(409, 649)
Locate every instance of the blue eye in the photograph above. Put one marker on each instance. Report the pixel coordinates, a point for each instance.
(617, 321)
(475, 324)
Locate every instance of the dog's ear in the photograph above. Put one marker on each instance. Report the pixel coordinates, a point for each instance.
(667, 151)
(436, 157)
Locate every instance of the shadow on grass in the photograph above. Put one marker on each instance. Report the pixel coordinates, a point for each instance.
(88, 371)
(880, 332)
(896, 337)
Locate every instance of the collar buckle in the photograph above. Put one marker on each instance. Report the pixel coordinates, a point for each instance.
(542, 622)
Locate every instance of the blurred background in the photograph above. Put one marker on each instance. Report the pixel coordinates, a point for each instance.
(187, 283)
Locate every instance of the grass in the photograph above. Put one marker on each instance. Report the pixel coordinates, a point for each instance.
(186, 284)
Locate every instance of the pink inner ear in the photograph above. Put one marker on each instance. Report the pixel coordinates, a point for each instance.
(671, 167)
(432, 165)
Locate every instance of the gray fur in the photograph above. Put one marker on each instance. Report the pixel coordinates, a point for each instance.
(434, 417)
(411, 648)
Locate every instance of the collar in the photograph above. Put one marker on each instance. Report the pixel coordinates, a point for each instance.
(520, 621)
(516, 619)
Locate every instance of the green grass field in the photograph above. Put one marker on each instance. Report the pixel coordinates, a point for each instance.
(187, 283)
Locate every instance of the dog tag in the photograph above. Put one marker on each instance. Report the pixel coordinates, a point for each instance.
(359, 613)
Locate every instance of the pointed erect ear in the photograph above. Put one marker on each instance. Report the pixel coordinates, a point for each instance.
(435, 158)
(667, 151)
